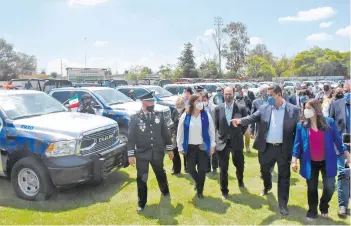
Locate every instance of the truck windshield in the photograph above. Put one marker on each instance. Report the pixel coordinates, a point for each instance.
(17, 106)
(112, 96)
(160, 92)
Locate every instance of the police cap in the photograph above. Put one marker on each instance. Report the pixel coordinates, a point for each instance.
(147, 96)
(199, 88)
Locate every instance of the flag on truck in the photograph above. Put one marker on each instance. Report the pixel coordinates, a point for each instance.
(73, 102)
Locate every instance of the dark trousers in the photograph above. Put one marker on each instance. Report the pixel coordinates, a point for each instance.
(177, 164)
(312, 189)
(142, 167)
(238, 161)
(213, 162)
(267, 159)
(196, 157)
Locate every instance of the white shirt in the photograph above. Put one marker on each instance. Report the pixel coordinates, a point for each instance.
(195, 131)
(275, 131)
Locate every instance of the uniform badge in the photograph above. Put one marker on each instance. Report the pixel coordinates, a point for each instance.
(157, 120)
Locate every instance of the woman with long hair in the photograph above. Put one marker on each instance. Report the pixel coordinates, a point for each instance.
(314, 147)
(180, 109)
(196, 139)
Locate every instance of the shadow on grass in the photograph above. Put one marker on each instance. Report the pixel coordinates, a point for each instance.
(215, 205)
(248, 199)
(164, 211)
(70, 198)
(296, 213)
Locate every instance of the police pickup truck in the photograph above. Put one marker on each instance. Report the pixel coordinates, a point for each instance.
(43, 146)
(110, 103)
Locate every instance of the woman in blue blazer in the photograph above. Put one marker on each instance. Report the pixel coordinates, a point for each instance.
(314, 146)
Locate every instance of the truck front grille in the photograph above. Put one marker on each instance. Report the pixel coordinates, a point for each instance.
(98, 141)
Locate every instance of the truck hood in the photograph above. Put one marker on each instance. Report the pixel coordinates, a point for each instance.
(134, 107)
(63, 125)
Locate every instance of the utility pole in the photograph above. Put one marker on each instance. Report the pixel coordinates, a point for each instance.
(116, 67)
(217, 37)
(85, 56)
(61, 68)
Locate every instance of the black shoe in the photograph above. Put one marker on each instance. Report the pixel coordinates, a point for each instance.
(265, 191)
(200, 195)
(241, 185)
(166, 195)
(140, 209)
(284, 211)
(224, 196)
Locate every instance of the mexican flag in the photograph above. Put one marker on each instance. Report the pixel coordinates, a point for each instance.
(74, 102)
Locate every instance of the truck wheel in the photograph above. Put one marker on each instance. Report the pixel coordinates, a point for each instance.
(31, 180)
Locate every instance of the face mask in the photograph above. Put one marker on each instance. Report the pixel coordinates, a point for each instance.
(303, 99)
(265, 96)
(180, 110)
(200, 106)
(271, 101)
(150, 108)
(339, 95)
(205, 103)
(236, 94)
(347, 97)
(309, 113)
(219, 94)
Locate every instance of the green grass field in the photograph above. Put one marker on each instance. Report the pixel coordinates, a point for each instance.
(115, 202)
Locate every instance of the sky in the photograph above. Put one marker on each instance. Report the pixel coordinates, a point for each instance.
(122, 33)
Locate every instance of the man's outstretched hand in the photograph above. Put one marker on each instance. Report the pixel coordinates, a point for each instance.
(236, 122)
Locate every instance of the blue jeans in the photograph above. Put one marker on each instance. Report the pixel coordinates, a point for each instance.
(343, 182)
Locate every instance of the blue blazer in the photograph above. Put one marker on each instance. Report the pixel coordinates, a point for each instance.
(301, 149)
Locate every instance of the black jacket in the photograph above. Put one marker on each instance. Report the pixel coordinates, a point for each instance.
(223, 130)
(148, 139)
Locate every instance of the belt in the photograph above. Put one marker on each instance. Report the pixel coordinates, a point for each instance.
(275, 144)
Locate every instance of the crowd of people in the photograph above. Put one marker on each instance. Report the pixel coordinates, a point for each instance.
(306, 131)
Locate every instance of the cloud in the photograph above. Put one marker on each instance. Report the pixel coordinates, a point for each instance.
(255, 40)
(326, 24)
(344, 31)
(310, 15)
(319, 37)
(100, 43)
(209, 32)
(85, 2)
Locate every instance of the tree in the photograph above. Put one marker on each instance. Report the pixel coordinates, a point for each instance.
(187, 62)
(208, 69)
(43, 72)
(53, 75)
(262, 51)
(218, 39)
(237, 49)
(284, 67)
(136, 73)
(166, 71)
(259, 67)
(13, 63)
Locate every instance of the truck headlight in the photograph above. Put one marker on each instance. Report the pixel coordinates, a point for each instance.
(61, 148)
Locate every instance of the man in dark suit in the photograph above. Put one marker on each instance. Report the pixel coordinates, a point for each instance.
(256, 104)
(274, 141)
(248, 93)
(229, 139)
(218, 98)
(148, 139)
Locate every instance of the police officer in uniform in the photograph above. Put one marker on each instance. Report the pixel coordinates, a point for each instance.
(148, 138)
(86, 106)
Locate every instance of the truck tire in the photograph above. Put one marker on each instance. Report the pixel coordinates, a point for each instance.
(31, 179)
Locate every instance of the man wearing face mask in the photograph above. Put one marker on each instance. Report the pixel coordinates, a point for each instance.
(218, 99)
(274, 141)
(340, 112)
(148, 139)
(244, 100)
(229, 139)
(256, 104)
(187, 94)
